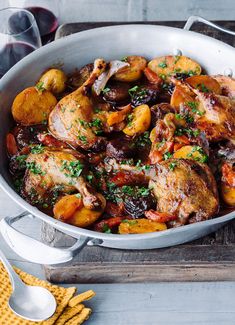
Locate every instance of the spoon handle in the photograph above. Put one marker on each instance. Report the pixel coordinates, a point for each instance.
(14, 278)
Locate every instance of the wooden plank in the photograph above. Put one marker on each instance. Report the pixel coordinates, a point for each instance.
(207, 259)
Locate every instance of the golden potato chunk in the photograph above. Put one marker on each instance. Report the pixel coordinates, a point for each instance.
(138, 121)
(54, 80)
(65, 208)
(228, 194)
(191, 152)
(70, 209)
(166, 66)
(33, 106)
(180, 96)
(204, 83)
(140, 226)
(134, 71)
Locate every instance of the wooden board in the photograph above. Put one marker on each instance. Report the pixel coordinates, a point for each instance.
(211, 258)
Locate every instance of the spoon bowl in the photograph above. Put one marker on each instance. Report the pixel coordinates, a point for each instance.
(32, 302)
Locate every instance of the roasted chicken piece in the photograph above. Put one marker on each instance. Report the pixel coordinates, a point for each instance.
(218, 120)
(58, 167)
(186, 189)
(69, 120)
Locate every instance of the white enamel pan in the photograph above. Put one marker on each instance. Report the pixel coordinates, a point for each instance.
(75, 51)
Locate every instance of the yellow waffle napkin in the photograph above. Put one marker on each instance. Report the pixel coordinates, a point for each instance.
(64, 314)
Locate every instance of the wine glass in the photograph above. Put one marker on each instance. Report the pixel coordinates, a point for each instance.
(45, 13)
(19, 36)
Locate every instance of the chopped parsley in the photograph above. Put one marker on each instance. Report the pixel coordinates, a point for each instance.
(191, 132)
(72, 168)
(129, 119)
(40, 86)
(106, 229)
(162, 64)
(172, 165)
(96, 122)
(97, 110)
(89, 178)
(22, 160)
(130, 222)
(82, 138)
(176, 57)
(106, 90)
(34, 168)
(132, 91)
(167, 155)
(127, 189)
(203, 158)
(143, 140)
(124, 59)
(203, 88)
(37, 149)
(78, 195)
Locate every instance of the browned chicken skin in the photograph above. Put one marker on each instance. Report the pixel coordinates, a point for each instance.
(54, 167)
(187, 189)
(69, 120)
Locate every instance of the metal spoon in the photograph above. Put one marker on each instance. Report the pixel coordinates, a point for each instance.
(30, 302)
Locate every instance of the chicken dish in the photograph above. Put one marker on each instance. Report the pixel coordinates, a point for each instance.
(127, 146)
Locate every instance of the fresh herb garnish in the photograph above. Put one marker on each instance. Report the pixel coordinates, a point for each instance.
(106, 90)
(40, 86)
(167, 155)
(83, 138)
(162, 64)
(22, 160)
(129, 119)
(172, 165)
(130, 222)
(37, 149)
(203, 158)
(106, 229)
(34, 168)
(89, 178)
(96, 122)
(78, 195)
(72, 168)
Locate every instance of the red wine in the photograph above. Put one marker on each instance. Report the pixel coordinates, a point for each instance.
(11, 53)
(46, 20)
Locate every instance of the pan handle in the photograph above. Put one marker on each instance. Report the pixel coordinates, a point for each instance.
(195, 19)
(34, 250)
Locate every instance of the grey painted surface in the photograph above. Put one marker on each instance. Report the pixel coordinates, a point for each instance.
(130, 10)
(141, 304)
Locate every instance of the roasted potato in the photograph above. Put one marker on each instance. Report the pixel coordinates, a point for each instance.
(118, 116)
(227, 85)
(166, 66)
(139, 120)
(179, 97)
(204, 83)
(228, 194)
(140, 226)
(65, 208)
(71, 210)
(191, 152)
(54, 80)
(33, 106)
(134, 71)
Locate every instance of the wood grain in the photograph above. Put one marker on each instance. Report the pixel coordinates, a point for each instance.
(211, 258)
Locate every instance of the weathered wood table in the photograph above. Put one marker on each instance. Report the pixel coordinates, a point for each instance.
(211, 258)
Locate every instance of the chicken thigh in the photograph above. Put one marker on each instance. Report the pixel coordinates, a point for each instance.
(52, 168)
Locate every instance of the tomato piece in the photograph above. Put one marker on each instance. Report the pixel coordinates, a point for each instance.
(182, 139)
(124, 178)
(228, 174)
(107, 224)
(12, 148)
(159, 216)
(152, 76)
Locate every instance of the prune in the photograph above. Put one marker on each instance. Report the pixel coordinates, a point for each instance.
(145, 95)
(136, 206)
(116, 92)
(26, 135)
(76, 79)
(120, 149)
